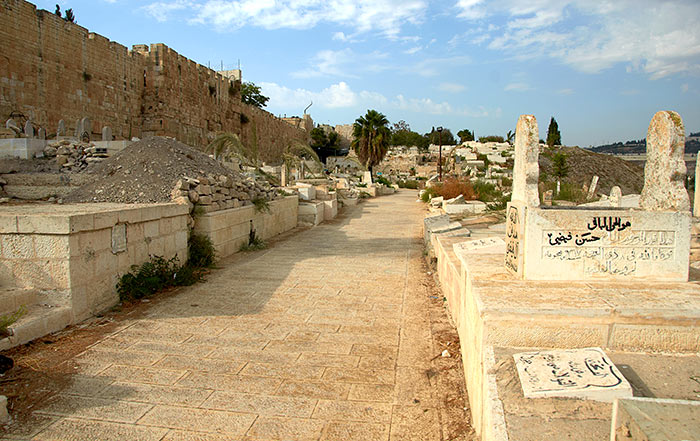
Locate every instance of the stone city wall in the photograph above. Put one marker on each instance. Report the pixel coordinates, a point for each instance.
(54, 70)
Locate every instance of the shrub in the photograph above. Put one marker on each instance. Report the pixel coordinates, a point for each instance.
(201, 251)
(254, 244)
(506, 182)
(412, 184)
(453, 187)
(430, 192)
(261, 205)
(383, 180)
(147, 279)
(486, 192)
(8, 319)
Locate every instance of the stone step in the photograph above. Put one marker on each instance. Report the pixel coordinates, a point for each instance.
(40, 320)
(11, 299)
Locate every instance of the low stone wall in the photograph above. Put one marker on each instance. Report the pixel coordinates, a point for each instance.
(229, 229)
(79, 251)
(35, 186)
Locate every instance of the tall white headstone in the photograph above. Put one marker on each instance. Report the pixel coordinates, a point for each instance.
(526, 170)
(106, 133)
(665, 171)
(29, 129)
(61, 130)
(592, 188)
(696, 204)
(616, 196)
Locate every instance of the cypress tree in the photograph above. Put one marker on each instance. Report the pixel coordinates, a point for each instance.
(553, 135)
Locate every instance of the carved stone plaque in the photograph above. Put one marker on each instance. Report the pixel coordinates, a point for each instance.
(576, 373)
(119, 238)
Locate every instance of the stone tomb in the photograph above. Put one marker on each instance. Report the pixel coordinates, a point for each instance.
(599, 243)
(575, 373)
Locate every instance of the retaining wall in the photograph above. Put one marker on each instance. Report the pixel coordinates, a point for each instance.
(229, 229)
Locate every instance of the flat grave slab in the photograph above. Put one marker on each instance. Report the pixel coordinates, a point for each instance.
(654, 419)
(585, 373)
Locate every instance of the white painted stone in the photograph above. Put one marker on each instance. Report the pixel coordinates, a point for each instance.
(367, 177)
(307, 193)
(61, 130)
(470, 207)
(585, 373)
(436, 201)
(526, 171)
(458, 200)
(592, 188)
(485, 245)
(4, 415)
(29, 129)
(696, 202)
(615, 196)
(106, 133)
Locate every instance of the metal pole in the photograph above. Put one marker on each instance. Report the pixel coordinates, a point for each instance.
(440, 153)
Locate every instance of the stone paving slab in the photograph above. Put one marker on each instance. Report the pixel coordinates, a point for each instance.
(324, 336)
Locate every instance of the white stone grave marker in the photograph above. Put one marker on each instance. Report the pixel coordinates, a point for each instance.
(119, 238)
(585, 373)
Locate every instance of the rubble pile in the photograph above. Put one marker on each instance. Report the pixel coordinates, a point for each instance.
(75, 156)
(160, 169)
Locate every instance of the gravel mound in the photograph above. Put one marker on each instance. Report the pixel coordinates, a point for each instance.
(147, 171)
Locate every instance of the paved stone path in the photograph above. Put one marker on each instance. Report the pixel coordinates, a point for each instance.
(326, 335)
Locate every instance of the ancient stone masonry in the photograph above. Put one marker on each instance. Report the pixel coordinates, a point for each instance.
(57, 70)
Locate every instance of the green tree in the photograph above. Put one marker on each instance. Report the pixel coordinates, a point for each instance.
(553, 135)
(371, 138)
(465, 135)
(510, 136)
(401, 126)
(58, 10)
(250, 94)
(409, 138)
(324, 144)
(447, 137)
(491, 138)
(560, 168)
(70, 16)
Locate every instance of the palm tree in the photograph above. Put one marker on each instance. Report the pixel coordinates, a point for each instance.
(227, 146)
(297, 152)
(371, 138)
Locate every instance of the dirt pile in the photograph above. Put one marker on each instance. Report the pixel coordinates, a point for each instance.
(149, 170)
(584, 164)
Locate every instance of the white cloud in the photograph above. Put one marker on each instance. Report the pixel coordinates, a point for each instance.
(342, 63)
(451, 87)
(340, 36)
(685, 88)
(565, 91)
(412, 50)
(162, 11)
(518, 87)
(660, 38)
(341, 95)
(335, 96)
(431, 67)
(384, 16)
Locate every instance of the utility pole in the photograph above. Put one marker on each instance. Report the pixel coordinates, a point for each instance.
(439, 130)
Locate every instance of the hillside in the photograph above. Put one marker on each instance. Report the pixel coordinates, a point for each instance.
(692, 145)
(584, 164)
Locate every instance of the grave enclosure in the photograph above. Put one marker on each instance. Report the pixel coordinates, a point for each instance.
(590, 243)
(572, 278)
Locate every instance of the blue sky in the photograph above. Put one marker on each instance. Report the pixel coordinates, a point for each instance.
(601, 68)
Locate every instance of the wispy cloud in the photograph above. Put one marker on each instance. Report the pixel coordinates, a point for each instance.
(451, 87)
(163, 11)
(343, 63)
(517, 87)
(384, 16)
(660, 38)
(565, 91)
